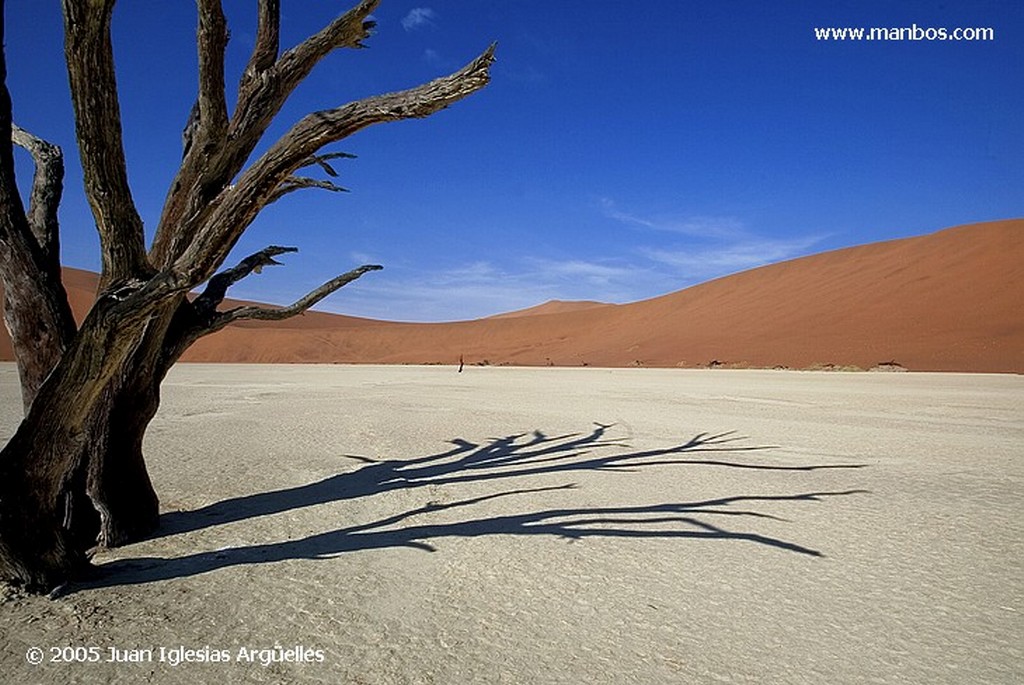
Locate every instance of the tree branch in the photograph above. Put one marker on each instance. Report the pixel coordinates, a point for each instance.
(215, 291)
(265, 85)
(259, 100)
(36, 310)
(318, 129)
(212, 41)
(47, 188)
(300, 305)
(90, 61)
(236, 207)
(348, 30)
(202, 318)
(293, 183)
(322, 161)
(268, 41)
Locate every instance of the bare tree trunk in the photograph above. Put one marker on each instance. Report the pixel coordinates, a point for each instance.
(36, 310)
(41, 469)
(117, 484)
(73, 476)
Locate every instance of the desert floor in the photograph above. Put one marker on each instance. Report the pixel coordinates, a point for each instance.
(417, 525)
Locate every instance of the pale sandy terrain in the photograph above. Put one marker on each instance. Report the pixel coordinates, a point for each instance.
(562, 526)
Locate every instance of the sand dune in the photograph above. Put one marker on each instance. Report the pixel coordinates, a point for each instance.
(552, 307)
(948, 301)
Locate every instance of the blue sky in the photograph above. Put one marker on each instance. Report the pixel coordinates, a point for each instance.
(622, 150)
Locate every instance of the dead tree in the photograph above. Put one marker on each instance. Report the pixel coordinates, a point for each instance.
(73, 475)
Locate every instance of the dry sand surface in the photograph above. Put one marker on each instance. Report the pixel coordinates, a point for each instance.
(417, 525)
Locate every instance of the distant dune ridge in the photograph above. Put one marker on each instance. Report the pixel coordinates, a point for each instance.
(552, 307)
(947, 301)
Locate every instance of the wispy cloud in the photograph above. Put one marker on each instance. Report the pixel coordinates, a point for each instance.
(700, 263)
(707, 247)
(720, 227)
(660, 256)
(484, 288)
(418, 17)
(524, 73)
(362, 258)
(594, 272)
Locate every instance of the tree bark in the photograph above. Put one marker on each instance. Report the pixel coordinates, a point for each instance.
(89, 54)
(36, 310)
(42, 511)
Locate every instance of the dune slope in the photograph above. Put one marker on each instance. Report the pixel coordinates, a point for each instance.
(947, 301)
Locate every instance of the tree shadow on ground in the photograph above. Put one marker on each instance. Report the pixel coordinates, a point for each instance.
(502, 460)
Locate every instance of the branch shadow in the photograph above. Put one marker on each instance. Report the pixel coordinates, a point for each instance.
(466, 462)
(505, 459)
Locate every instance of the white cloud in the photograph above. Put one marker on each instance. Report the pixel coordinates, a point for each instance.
(598, 273)
(483, 288)
(697, 226)
(362, 258)
(418, 17)
(713, 246)
(470, 273)
(664, 256)
(699, 263)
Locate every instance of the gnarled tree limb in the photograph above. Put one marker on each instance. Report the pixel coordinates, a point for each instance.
(297, 307)
(36, 310)
(268, 40)
(293, 183)
(90, 60)
(212, 41)
(322, 161)
(217, 287)
(259, 100)
(266, 83)
(47, 188)
(237, 206)
(203, 317)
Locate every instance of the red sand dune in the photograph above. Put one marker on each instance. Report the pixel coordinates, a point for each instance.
(948, 301)
(552, 307)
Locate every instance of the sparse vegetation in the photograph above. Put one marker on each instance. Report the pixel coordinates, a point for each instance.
(833, 367)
